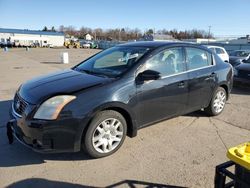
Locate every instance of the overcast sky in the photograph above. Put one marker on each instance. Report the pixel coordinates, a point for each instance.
(226, 17)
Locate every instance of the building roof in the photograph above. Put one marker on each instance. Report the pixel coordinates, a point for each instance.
(33, 32)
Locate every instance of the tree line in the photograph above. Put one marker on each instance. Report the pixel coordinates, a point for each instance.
(126, 34)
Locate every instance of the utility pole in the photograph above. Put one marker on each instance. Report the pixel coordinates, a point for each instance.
(119, 34)
(209, 31)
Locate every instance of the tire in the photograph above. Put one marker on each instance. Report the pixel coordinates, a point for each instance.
(217, 103)
(105, 134)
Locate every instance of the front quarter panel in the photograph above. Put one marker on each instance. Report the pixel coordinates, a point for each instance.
(120, 93)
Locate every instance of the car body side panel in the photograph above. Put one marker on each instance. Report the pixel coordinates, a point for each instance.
(121, 95)
(161, 99)
(201, 85)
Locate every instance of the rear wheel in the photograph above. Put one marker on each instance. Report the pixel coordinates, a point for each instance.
(217, 103)
(105, 134)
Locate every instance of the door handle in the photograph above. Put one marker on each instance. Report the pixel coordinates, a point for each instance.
(211, 76)
(181, 84)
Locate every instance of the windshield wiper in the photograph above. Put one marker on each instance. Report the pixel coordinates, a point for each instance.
(92, 72)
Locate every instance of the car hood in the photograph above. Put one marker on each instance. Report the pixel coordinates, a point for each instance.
(243, 66)
(63, 82)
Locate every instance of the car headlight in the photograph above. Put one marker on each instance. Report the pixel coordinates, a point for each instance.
(51, 108)
(235, 72)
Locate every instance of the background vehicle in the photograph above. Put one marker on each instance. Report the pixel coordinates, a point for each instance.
(242, 72)
(50, 45)
(236, 57)
(72, 44)
(85, 45)
(93, 45)
(140, 83)
(89, 44)
(220, 51)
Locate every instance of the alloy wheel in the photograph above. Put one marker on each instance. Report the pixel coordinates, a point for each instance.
(219, 101)
(107, 135)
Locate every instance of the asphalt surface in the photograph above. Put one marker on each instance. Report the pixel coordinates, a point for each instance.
(181, 152)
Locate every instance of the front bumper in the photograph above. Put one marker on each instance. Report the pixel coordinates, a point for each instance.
(46, 136)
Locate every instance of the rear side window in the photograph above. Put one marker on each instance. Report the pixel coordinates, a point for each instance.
(219, 51)
(197, 58)
(212, 49)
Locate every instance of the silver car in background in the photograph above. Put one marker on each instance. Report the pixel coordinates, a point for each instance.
(220, 51)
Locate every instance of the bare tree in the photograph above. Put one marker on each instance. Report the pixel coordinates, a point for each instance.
(45, 28)
(126, 34)
(61, 28)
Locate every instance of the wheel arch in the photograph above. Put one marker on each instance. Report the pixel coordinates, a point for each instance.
(224, 86)
(131, 129)
(118, 107)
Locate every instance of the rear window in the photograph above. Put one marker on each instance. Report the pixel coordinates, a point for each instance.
(198, 58)
(212, 49)
(219, 51)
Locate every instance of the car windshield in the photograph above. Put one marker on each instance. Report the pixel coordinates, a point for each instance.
(112, 62)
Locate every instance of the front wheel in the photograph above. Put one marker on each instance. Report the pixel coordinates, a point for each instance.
(105, 134)
(217, 103)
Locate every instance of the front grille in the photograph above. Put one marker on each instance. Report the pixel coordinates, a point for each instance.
(19, 105)
(244, 74)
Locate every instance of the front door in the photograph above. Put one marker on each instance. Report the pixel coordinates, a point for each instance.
(166, 96)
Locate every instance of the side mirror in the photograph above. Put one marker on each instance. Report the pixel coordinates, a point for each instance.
(244, 61)
(148, 75)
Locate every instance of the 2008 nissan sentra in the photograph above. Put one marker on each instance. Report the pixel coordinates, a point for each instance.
(114, 93)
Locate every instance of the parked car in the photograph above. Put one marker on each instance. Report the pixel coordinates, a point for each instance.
(86, 45)
(220, 51)
(116, 92)
(93, 45)
(242, 72)
(236, 57)
(89, 44)
(50, 46)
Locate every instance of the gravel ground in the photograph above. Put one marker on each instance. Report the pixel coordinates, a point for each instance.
(178, 152)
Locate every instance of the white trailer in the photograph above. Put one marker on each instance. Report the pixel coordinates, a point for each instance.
(29, 41)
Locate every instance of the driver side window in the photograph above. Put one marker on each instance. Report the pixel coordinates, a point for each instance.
(167, 62)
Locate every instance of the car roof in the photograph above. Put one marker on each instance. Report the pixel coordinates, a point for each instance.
(212, 46)
(157, 44)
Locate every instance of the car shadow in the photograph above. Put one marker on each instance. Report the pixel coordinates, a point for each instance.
(18, 155)
(51, 62)
(41, 183)
(197, 114)
(240, 90)
(4, 112)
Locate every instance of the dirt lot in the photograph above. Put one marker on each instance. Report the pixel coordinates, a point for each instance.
(180, 152)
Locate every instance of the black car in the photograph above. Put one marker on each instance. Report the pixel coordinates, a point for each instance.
(242, 72)
(114, 93)
(237, 56)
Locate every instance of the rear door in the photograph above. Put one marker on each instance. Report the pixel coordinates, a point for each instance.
(166, 96)
(202, 78)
